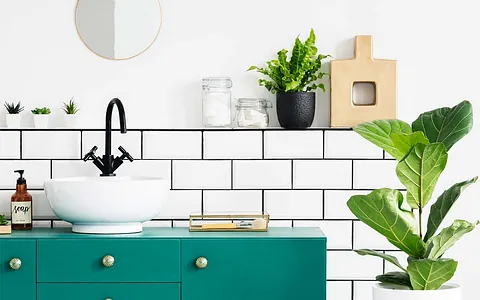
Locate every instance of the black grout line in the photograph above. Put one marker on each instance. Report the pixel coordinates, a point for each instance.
(181, 129)
(292, 166)
(171, 175)
(221, 159)
(353, 234)
(353, 290)
(323, 204)
(263, 201)
(202, 203)
(231, 175)
(81, 144)
(141, 144)
(21, 145)
(51, 169)
(203, 144)
(383, 261)
(263, 144)
(353, 174)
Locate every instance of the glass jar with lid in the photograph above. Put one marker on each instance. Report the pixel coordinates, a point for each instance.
(252, 112)
(216, 97)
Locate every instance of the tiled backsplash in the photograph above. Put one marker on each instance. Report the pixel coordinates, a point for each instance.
(301, 178)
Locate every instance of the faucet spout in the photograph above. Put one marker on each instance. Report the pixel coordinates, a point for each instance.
(108, 123)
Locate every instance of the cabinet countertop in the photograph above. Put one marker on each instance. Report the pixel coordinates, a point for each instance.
(169, 233)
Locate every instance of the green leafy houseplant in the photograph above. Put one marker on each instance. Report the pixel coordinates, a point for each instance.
(3, 221)
(41, 111)
(422, 152)
(71, 107)
(300, 73)
(13, 108)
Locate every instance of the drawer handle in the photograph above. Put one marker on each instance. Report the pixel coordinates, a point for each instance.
(201, 262)
(108, 298)
(15, 263)
(108, 261)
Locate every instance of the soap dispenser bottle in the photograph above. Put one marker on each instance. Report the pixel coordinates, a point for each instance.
(21, 205)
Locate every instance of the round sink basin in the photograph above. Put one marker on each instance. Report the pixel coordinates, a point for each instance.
(106, 205)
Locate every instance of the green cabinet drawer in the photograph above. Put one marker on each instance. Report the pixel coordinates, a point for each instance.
(254, 269)
(114, 291)
(81, 260)
(17, 284)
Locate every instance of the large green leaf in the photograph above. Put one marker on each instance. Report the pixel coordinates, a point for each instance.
(447, 125)
(447, 238)
(405, 141)
(419, 172)
(379, 133)
(430, 274)
(390, 258)
(440, 208)
(382, 211)
(399, 278)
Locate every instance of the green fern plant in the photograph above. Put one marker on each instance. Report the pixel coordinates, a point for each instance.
(41, 111)
(13, 108)
(71, 107)
(300, 73)
(3, 221)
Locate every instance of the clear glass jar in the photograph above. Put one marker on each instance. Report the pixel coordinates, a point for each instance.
(216, 97)
(252, 112)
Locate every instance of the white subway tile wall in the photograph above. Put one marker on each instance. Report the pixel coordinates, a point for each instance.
(302, 178)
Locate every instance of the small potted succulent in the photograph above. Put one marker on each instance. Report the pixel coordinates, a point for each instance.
(421, 150)
(40, 117)
(13, 114)
(5, 228)
(71, 108)
(294, 80)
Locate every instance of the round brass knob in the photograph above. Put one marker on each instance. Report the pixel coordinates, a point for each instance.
(108, 298)
(201, 262)
(108, 261)
(15, 263)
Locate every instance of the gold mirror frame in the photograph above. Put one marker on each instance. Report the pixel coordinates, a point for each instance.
(127, 58)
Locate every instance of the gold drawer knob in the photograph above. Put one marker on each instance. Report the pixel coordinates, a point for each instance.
(108, 298)
(108, 262)
(15, 263)
(201, 262)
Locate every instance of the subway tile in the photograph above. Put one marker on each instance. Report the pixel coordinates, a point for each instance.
(232, 145)
(348, 144)
(42, 224)
(232, 202)
(367, 238)
(201, 174)
(349, 265)
(36, 172)
(323, 174)
(172, 145)
(181, 204)
(375, 174)
(363, 290)
(262, 174)
(137, 168)
(9, 144)
(131, 141)
(338, 233)
(388, 156)
(294, 204)
(182, 224)
(41, 208)
(61, 224)
(402, 258)
(336, 204)
(156, 223)
(339, 290)
(51, 144)
(280, 223)
(293, 144)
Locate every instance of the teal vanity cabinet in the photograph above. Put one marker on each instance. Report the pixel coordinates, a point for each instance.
(164, 264)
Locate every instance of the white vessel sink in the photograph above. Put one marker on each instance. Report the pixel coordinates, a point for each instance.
(106, 205)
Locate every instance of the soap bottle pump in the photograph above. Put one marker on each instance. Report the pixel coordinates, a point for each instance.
(21, 205)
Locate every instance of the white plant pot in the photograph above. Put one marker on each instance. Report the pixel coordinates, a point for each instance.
(13, 120)
(41, 121)
(391, 292)
(70, 120)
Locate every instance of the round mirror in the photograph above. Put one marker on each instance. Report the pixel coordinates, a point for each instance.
(118, 29)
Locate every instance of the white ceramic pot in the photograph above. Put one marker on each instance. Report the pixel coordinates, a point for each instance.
(70, 120)
(40, 121)
(13, 120)
(391, 292)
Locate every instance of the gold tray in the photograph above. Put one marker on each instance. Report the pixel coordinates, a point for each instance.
(228, 223)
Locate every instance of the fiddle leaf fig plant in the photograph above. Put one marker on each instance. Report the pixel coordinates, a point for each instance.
(422, 153)
(300, 73)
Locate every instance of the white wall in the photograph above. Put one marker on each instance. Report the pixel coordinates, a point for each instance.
(43, 62)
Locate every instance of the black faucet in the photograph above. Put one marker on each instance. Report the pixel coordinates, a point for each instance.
(107, 164)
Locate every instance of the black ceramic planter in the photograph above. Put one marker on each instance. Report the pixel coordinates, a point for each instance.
(296, 110)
